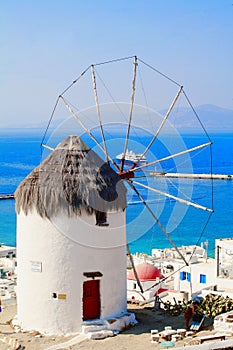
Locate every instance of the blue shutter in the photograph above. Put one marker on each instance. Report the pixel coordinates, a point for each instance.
(182, 276)
(202, 278)
(189, 277)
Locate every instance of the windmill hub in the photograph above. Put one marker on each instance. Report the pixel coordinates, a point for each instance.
(126, 174)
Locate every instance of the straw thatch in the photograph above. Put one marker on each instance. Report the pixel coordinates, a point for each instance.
(73, 179)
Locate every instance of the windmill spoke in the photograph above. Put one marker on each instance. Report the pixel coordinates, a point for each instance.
(160, 127)
(156, 220)
(134, 269)
(98, 112)
(172, 156)
(143, 176)
(48, 147)
(178, 199)
(88, 131)
(130, 114)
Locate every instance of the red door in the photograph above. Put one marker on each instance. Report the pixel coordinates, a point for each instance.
(91, 299)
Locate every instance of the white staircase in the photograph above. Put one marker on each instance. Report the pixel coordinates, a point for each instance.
(97, 329)
(103, 328)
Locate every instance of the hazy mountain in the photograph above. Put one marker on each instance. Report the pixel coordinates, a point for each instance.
(213, 118)
(216, 118)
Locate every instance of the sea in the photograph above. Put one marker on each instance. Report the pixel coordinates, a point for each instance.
(20, 153)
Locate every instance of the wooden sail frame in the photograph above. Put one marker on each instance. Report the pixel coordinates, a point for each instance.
(128, 175)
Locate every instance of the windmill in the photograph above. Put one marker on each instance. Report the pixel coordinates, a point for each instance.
(125, 95)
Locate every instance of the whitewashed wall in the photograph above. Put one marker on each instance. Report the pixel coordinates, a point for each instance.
(208, 269)
(65, 249)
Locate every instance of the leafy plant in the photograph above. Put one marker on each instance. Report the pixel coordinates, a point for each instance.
(211, 306)
(214, 305)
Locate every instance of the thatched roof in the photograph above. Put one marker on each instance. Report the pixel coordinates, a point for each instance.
(73, 179)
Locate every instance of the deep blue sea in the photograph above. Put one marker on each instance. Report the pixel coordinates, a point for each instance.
(20, 152)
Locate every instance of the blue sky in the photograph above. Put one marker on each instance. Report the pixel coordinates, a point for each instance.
(46, 44)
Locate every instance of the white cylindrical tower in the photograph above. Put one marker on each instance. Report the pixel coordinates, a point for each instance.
(70, 241)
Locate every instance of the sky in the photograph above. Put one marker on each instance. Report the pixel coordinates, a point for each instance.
(46, 44)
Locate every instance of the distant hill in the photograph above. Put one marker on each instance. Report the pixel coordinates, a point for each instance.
(214, 118)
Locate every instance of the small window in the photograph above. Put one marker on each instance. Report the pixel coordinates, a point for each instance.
(202, 278)
(134, 286)
(185, 276)
(182, 275)
(101, 218)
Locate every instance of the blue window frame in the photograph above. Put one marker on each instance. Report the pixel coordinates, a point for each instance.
(202, 278)
(182, 275)
(185, 276)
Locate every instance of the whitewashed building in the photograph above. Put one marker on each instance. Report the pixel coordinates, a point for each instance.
(224, 266)
(209, 275)
(192, 279)
(7, 251)
(70, 241)
(196, 277)
(224, 257)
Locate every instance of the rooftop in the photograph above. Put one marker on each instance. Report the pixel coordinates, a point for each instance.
(5, 248)
(225, 240)
(145, 272)
(73, 179)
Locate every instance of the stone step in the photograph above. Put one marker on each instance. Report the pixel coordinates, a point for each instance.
(114, 324)
(101, 334)
(93, 327)
(96, 321)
